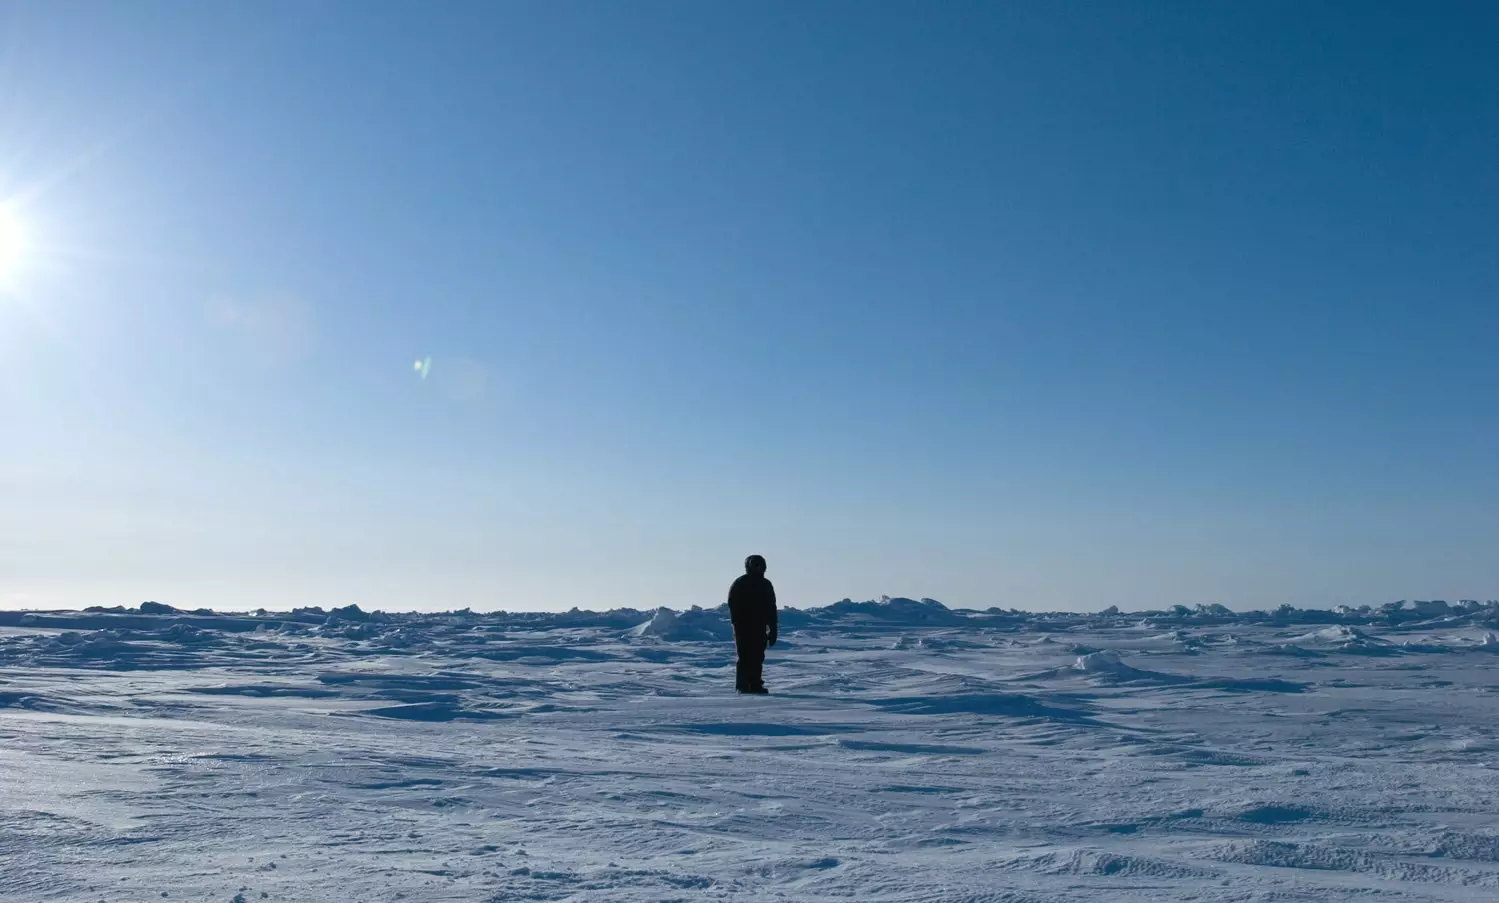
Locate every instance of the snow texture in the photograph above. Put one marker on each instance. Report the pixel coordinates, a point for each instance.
(909, 753)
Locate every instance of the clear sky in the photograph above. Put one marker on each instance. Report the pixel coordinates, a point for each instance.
(1047, 305)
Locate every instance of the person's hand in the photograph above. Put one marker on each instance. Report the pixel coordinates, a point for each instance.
(770, 637)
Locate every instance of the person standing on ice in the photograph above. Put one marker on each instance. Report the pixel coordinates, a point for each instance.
(752, 608)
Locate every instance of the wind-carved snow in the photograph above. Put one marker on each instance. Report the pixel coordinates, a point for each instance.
(1106, 661)
(908, 753)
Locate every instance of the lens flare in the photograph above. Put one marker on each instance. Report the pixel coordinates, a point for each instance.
(422, 367)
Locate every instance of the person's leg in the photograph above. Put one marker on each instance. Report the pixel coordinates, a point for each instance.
(742, 656)
(756, 670)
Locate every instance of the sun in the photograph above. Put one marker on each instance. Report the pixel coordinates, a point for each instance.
(12, 242)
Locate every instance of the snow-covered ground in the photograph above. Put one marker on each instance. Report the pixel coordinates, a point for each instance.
(908, 753)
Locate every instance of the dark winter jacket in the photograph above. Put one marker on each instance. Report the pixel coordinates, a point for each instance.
(752, 601)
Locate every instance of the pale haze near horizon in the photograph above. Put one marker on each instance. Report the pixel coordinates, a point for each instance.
(540, 306)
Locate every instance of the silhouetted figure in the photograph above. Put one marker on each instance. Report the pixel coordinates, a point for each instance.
(752, 608)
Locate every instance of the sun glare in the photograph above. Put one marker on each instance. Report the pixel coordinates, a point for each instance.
(12, 242)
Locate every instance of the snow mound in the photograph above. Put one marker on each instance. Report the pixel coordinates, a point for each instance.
(1342, 638)
(1334, 635)
(896, 611)
(663, 623)
(1104, 661)
(688, 626)
(350, 612)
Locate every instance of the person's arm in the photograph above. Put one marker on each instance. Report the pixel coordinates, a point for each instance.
(771, 616)
(735, 603)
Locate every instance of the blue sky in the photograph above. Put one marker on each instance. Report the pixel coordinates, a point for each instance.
(1039, 305)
